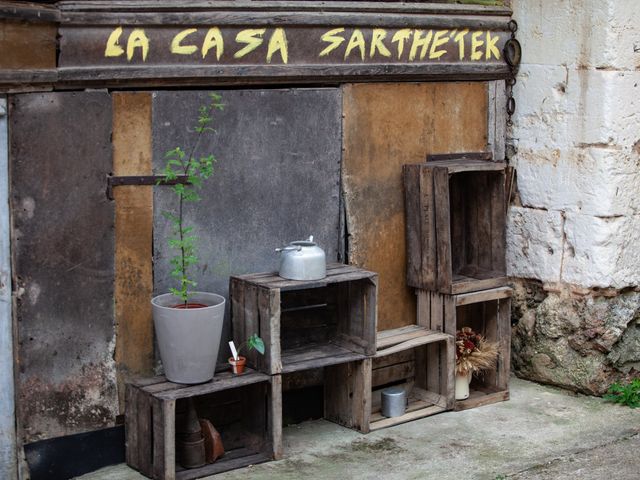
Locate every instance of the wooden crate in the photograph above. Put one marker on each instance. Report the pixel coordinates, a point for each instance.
(245, 409)
(306, 324)
(488, 313)
(413, 357)
(455, 209)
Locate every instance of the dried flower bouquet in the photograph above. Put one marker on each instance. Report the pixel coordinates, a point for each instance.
(473, 352)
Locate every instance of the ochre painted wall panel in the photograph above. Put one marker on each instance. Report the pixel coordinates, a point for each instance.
(386, 126)
(134, 238)
(27, 46)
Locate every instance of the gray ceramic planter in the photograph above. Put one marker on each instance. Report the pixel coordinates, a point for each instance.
(188, 339)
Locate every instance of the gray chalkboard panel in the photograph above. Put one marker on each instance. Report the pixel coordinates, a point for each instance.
(277, 179)
(60, 154)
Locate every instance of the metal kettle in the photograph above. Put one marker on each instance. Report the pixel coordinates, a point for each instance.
(302, 260)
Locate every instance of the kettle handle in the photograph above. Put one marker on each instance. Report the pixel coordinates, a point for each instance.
(289, 248)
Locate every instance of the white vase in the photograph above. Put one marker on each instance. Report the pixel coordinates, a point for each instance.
(462, 385)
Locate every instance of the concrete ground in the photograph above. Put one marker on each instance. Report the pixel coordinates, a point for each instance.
(541, 433)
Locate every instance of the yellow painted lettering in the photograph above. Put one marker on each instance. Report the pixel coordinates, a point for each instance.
(278, 42)
(491, 49)
(253, 39)
(439, 39)
(476, 43)
(356, 41)
(460, 39)
(213, 39)
(137, 39)
(178, 48)
(419, 42)
(333, 39)
(113, 48)
(378, 36)
(400, 37)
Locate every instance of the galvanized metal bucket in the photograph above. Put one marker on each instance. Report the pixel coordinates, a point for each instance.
(394, 401)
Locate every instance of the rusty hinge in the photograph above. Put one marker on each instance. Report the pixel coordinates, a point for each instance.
(118, 181)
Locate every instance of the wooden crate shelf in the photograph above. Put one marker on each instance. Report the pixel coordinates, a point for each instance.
(455, 219)
(487, 312)
(306, 324)
(245, 409)
(413, 357)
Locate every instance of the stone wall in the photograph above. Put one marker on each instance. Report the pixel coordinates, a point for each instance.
(575, 224)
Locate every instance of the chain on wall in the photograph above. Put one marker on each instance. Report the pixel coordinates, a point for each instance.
(512, 54)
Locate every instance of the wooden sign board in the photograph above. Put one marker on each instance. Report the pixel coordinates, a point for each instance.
(241, 44)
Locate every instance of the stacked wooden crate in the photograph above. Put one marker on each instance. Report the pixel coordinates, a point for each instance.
(246, 410)
(310, 325)
(455, 209)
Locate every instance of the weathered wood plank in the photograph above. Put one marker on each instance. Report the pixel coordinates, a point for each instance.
(480, 399)
(222, 381)
(498, 222)
(414, 342)
(455, 160)
(27, 46)
(270, 325)
(448, 359)
(134, 238)
(420, 227)
(231, 461)
(164, 459)
(275, 416)
(71, 7)
(315, 356)
(504, 339)
(422, 410)
(389, 338)
(132, 455)
(144, 425)
(443, 226)
(465, 285)
(348, 394)
(497, 119)
(483, 296)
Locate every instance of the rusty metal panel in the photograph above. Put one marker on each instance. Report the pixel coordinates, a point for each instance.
(386, 126)
(60, 154)
(277, 179)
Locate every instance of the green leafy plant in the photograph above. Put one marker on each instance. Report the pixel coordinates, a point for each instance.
(254, 342)
(628, 394)
(196, 169)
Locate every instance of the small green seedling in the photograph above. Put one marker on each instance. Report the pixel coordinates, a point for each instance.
(196, 168)
(628, 394)
(254, 342)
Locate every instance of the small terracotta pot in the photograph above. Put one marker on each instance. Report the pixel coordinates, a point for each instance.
(237, 366)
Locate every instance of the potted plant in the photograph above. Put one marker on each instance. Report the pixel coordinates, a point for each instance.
(473, 354)
(238, 362)
(188, 323)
